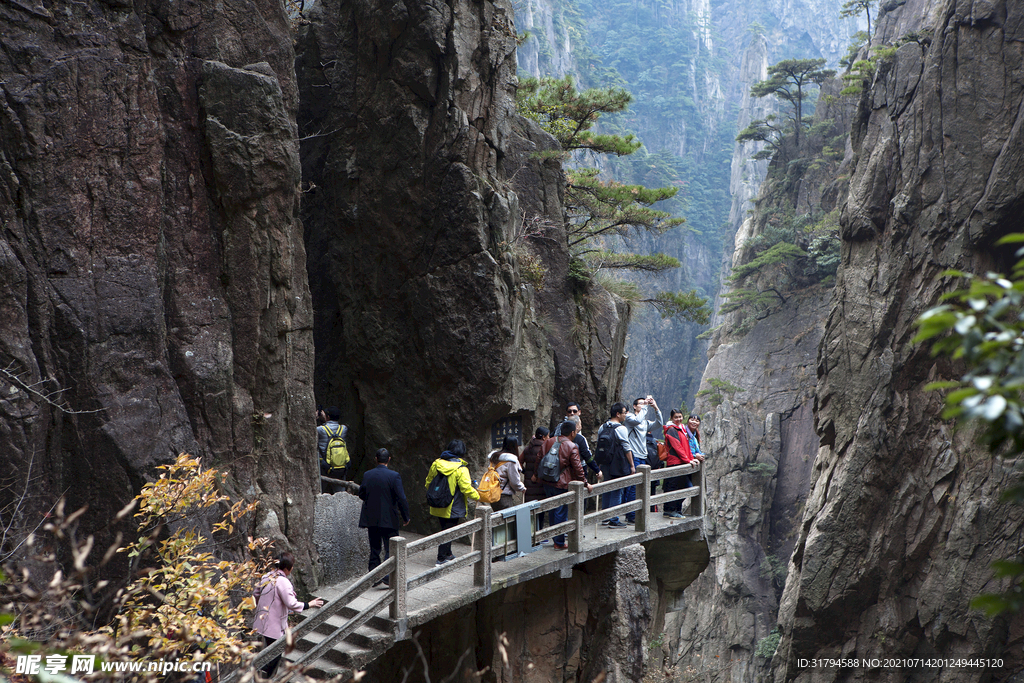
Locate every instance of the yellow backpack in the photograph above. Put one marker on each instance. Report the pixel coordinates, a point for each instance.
(490, 486)
(337, 451)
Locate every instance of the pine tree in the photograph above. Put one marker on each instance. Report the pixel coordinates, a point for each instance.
(791, 81)
(854, 7)
(597, 208)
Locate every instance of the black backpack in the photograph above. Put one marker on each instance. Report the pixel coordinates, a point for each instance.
(652, 453)
(548, 469)
(608, 448)
(439, 493)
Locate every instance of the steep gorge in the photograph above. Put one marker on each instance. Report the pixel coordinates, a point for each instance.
(902, 518)
(895, 518)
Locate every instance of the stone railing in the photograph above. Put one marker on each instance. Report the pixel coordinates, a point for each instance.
(479, 531)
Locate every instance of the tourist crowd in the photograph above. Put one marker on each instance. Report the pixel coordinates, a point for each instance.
(543, 468)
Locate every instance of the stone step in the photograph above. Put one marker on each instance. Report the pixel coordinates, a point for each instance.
(345, 613)
(351, 653)
(326, 669)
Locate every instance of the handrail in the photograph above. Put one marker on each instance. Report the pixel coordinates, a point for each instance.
(480, 529)
(446, 536)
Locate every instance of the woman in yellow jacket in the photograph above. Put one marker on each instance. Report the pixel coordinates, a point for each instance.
(452, 464)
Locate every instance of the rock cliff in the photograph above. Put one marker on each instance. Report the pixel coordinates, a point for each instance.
(761, 447)
(436, 242)
(902, 518)
(151, 261)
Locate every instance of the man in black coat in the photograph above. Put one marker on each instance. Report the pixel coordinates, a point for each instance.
(383, 501)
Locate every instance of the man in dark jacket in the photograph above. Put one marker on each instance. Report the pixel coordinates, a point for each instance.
(383, 501)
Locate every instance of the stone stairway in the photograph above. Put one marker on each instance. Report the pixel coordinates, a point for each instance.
(350, 654)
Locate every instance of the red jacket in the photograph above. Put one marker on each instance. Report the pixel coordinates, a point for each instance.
(678, 446)
(568, 461)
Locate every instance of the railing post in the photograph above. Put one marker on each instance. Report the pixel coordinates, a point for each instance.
(577, 508)
(697, 502)
(643, 515)
(482, 541)
(398, 580)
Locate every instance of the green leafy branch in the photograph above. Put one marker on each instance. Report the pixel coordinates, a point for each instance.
(983, 326)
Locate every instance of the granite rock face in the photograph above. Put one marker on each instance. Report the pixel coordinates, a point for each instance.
(343, 547)
(426, 329)
(760, 444)
(153, 270)
(902, 518)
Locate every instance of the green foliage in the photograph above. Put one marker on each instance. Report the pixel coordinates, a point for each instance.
(767, 646)
(719, 387)
(860, 39)
(773, 568)
(532, 269)
(625, 289)
(650, 263)
(764, 130)
(762, 469)
(689, 306)
(580, 273)
(749, 299)
(862, 72)
(779, 254)
(569, 114)
(648, 45)
(724, 385)
(793, 81)
(852, 8)
(983, 326)
(775, 261)
(598, 207)
(825, 253)
(708, 334)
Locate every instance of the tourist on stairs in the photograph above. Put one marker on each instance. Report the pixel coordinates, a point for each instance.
(275, 598)
(510, 472)
(679, 453)
(570, 468)
(452, 468)
(384, 505)
(638, 424)
(614, 456)
(529, 459)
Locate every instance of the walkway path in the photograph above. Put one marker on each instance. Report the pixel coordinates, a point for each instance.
(360, 622)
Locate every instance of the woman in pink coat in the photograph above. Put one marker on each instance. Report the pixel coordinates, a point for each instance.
(275, 598)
